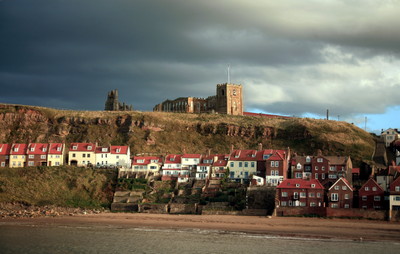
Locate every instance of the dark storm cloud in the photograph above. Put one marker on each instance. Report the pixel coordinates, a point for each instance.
(292, 57)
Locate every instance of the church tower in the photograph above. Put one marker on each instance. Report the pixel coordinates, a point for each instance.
(229, 99)
(112, 103)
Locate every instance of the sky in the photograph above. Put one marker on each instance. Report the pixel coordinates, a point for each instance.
(295, 58)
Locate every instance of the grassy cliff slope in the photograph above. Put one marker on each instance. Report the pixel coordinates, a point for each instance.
(154, 132)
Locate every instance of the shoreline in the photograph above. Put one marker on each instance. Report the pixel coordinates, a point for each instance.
(292, 227)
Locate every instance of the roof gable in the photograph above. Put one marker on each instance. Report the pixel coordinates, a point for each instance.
(56, 148)
(18, 149)
(300, 184)
(37, 148)
(82, 147)
(5, 149)
(342, 180)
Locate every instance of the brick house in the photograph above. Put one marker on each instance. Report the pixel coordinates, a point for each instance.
(340, 194)
(326, 169)
(371, 195)
(299, 192)
(18, 155)
(394, 198)
(5, 155)
(219, 168)
(37, 154)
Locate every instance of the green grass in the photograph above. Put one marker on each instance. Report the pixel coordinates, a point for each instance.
(62, 186)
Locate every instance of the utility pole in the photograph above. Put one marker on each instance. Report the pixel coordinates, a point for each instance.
(327, 114)
(365, 127)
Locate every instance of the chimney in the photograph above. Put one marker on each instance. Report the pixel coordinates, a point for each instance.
(232, 147)
(260, 146)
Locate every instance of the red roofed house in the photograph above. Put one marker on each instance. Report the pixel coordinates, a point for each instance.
(242, 164)
(146, 163)
(277, 166)
(82, 154)
(55, 155)
(18, 155)
(394, 199)
(203, 169)
(219, 167)
(37, 154)
(171, 169)
(5, 150)
(120, 156)
(189, 167)
(299, 192)
(340, 194)
(371, 195)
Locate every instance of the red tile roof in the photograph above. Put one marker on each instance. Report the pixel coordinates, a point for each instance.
(300, 184)
(82, 147)
(173, 159)
(100, 149)
(37, 148)
(18, 149)
(192, 156)
(370, 183)
(344, 180)
(355, 170)
(119, 149)
(220, 163)
(5, 149)
(394, 184)
(146, 160)
(56, 148)
(243, 155)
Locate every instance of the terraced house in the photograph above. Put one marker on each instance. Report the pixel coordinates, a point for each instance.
(82, 154)
(18, 155)
(5, 155)
(55, 155)
(146, 164)
(340, 194)
(299, 192)
(37, 154)
(171, 169)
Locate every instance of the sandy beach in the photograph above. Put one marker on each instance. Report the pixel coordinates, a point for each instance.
(356, 230)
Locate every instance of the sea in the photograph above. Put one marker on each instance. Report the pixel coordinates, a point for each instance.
(23, 238)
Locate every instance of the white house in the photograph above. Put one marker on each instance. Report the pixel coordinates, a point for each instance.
(389, 136)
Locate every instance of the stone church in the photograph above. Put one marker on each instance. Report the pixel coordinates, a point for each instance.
(112, 103)
(228, 100)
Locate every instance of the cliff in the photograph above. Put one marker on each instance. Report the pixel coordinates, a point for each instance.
(156, 132)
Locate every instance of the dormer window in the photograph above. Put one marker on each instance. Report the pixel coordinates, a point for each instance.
(16, 149)
(44, 149)
(312, 185)
(74, 148)
(89, 147)
(118, 150)
(172, 159)
(308, 159)
(32, 149)
(59, 149)
(140, 161)
(297, 185)
(320, 160)
(104, 149)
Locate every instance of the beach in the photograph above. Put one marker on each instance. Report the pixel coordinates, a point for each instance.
(319, 228)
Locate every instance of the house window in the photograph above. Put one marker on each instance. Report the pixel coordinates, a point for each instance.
(346, 196)
(272, 163)
(364, 198)
(311, 195)
(308, 159)
(334, 197)
(296, 195)
(323, 176)
(334, 205)
(89, 147)
(312, 185)
(337, 187)
(117, 156)
(284, 194)
(298, 166)
(331, 176)
(74, 148)
(303, 203)
(84, 155)
(246, 164)
(252, 164)
(332, 168)
(346, 206)
(377, 198)
(240, 164)
(276, 164)
(32, 149)
(397, 188)
(57, 163)
(43, 157)
(344, 187)
(313, 204)
(232, 164)
(297, 185)
(118, 150)
(290, 203)
(31, 156)
(3, 164)
(303, 195)
(323, 168)
(316, 175)
(88, 155)
(232, 174)
(299, 175)
(366, 188)
(283, 203)
(320, 160)
(316, 168)
(277, 172)
(73, 155)
(373, 188)
(31, 163)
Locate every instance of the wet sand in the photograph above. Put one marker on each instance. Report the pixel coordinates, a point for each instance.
(276, 226)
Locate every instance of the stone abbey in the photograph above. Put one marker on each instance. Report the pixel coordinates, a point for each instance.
(228, 100)
(113, 104)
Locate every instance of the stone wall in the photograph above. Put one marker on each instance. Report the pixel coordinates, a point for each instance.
(183, 208)
(332, 212)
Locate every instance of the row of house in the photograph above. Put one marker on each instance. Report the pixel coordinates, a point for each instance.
(54, 154)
